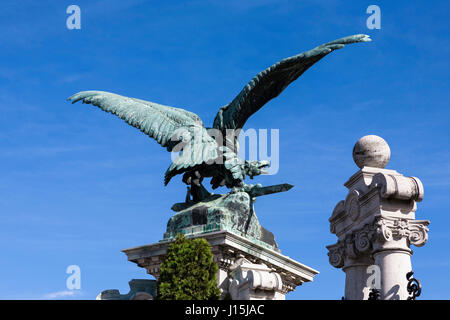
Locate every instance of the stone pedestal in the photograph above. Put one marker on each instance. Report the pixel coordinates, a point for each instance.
(247, 270)
(376, 225)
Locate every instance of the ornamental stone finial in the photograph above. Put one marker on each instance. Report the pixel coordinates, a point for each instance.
(371, 151)
(376, 225)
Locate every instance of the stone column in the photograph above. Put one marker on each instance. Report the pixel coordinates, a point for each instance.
(356, 278)
(376, 225)
(392, 253)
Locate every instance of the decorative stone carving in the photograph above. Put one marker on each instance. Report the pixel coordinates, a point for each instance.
(383, 231)
(249, 281)
(352, 206)
(418, 232)
(336, 255)
(224, 260)
(363, 239)
(398, 187)
(376, 223)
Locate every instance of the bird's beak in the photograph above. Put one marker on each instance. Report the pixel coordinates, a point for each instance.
(264, 164)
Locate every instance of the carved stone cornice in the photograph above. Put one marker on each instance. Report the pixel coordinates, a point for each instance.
(224, 257)
(288, 287)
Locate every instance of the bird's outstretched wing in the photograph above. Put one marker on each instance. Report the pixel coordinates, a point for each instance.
(169, 126)
(269, 83)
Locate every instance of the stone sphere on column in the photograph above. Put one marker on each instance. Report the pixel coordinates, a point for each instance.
(371, 151)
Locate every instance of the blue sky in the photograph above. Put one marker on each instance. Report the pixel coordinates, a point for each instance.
(78, 185)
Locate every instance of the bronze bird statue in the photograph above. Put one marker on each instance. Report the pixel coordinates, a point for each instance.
(201, 154)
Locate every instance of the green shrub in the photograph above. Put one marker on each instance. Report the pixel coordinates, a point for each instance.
(188, 271)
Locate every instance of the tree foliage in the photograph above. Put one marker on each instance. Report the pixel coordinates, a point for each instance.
(188, 271)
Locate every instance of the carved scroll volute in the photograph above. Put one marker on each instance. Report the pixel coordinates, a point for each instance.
(383, 231)
(419, 188)
(363, 240)
(264, 280)
(418, 233)
(398, 187)
(336, 254)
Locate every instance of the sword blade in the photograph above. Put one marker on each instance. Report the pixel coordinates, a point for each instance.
(257, 192)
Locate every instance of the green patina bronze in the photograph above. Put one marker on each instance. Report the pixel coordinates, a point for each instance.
(202, 154)
(232, 211)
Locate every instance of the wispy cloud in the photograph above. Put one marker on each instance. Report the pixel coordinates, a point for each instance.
(62, 294)
(74, 77)
(42, 151)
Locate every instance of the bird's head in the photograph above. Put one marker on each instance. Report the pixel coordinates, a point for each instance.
(255, 168)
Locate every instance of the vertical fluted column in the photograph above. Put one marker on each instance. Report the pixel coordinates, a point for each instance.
(376, 225)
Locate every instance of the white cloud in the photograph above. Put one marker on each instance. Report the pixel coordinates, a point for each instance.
(62, 294)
